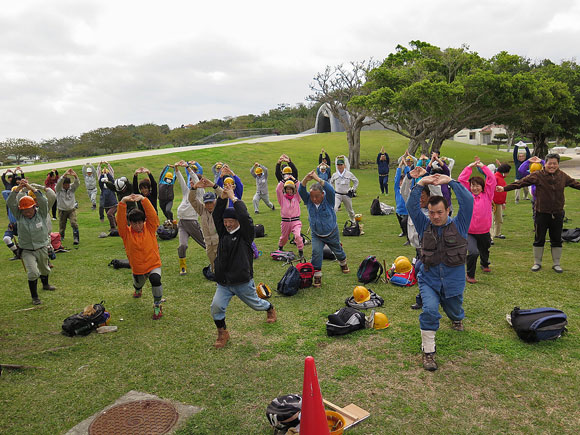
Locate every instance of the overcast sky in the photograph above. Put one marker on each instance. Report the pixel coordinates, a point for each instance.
(70, 66)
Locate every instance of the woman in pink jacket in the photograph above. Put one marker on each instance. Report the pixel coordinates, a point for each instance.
(289, 201)
(478, 237)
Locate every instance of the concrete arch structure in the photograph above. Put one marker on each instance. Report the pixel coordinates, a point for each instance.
(326, 122)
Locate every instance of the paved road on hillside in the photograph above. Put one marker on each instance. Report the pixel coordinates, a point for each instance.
(136, 154)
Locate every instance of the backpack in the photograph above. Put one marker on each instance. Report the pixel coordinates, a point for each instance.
(114, 232)
(538, 324)
(327, 253)
(259, 230)
(120, 264)
(167, 231)
(345, 321)
(376, 207)
(81, 324)
(351, 229)
(370, 270)
(306, 271)
(373, 302)
(290, 282)
(571, 235)
(407, 279)
(305, 239)
(286, 256)
(56, 242)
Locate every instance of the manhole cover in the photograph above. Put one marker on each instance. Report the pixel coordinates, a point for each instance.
(143, 416)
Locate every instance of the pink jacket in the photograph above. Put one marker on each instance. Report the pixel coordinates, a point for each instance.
(288, 208)
(482, 208)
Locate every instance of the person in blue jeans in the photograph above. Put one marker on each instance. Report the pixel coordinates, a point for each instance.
(320, 204)
(441, 272)
(234, 271)
(383, 167)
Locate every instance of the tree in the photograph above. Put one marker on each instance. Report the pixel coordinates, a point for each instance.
(18, 148)
(336, 86)
(109, 139)
(150, 135)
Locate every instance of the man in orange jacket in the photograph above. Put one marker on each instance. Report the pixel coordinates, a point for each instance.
(140, 239)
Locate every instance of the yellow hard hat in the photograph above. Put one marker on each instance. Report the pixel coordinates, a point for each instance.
(535, 167)
(168, 175)
(361, 294)
(358, 217)
(263, 291)
(287, 170)
(218, 166)
(402, 265)
(31, 194)
(289, 183)
(381, 321)
(230, 181)
(259, 170)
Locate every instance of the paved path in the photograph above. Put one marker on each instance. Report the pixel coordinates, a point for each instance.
(136, 154)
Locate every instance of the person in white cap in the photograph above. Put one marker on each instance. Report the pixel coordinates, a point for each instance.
(91, 183)
(341, 181)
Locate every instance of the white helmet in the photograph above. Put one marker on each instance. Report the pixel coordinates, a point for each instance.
(120, 183)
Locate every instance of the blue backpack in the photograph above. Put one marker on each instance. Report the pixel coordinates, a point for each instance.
(290, 282)
(538, 324)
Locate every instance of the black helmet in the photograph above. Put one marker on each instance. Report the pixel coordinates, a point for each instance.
(284, 411)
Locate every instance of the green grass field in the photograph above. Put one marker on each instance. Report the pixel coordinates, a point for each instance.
(488, 380)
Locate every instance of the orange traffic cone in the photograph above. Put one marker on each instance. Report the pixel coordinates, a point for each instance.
(313, 417)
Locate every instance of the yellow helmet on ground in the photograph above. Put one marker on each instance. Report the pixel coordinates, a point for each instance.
(287, 170)
(259, 171)
(381, 321)
(361, 294)
(402, 264)
(358, 217)
(535, 167)
(263, 291)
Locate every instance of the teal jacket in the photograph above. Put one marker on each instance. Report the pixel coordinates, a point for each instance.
(32, 232)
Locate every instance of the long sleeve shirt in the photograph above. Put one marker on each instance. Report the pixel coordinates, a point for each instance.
(90, 179)
(322, 217)
(185, 209)
(32, 232)
(401, 208)
(383, 165)
(341, 181)
(289, 208)
(261, 180)
(482, 209)
(517, 163)
(65, 199)
(210, 235)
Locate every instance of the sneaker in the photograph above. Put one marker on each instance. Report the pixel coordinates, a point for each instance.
(402, 235)
(536, 267)
(429, 361)
(36, 301)
(416, 306)
(157, 312)
(273, 207)
(457, 325)
(75, 241)
(271, 315)
(471, 280)
(557, 268)
(486, 269)
(317, 281)
(407, 243)
(53, 219)
(491, 243)
(345, 268)
(501, 236)
(137, 294)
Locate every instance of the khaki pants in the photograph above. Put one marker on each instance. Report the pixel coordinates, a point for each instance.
(63, 216)
(36, 263)
(525, 192)
(497, 220)
(211, 251)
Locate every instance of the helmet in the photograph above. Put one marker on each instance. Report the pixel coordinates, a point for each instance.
(230, 181)
(263, 291)
(31, 194)
(335, 421)
(259, 171)
(361, 294)
(358, 217)
(290, 183)
(284, 411)
(168, 175)
(120, 183)
(26, 202)
(287, 170)
(535, 167)
(218, 166)
(380, 321)
(402, 264)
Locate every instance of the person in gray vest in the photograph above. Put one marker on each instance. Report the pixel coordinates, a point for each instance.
(260, 173)
(91, 183)
(32, 236)
(441, 269)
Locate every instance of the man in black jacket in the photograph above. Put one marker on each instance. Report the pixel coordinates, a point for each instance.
(234, 263)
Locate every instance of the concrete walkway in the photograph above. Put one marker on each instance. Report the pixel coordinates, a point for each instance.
(46, 167)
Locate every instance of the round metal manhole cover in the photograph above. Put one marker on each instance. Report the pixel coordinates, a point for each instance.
(139, 417)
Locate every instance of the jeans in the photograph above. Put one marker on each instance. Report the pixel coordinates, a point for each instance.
(384, 183)
(333, 242)
(245, 291)
(429, 317)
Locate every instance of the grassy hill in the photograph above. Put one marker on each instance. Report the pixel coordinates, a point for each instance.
(488, 381)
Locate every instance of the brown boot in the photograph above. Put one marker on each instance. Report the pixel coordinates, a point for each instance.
(429, 361)
(344, 268)
(222, 338)
(271, 315)
(317, 280)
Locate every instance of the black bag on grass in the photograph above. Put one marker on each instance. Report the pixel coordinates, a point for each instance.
(370, 270)
(81, 324)
(327, 253)
(345, 321)
(351, 229)
(538, 324)
(259, 230)
(374, 302)
(290, 282)
(120, 264)
(376, 207)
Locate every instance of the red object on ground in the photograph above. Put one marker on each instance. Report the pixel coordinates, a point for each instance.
(313, 417)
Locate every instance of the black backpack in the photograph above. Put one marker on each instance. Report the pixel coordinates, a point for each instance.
(290, 282)
(376, 207)
(120, 264)
(345, 321)
(166, 232)
(80, 324)
(259, 231)
(538, 324)
(370, 270)
(374, 302)
(327, 253)
(351, 229)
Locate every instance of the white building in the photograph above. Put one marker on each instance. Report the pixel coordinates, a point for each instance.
(479, 136)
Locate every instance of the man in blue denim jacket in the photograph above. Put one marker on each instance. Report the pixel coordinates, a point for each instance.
(320, 204)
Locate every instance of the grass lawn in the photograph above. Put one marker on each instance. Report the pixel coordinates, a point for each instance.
(488, 380)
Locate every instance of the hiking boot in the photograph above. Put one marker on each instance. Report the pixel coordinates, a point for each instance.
(457, 325)
(48, 287)
(75, 241)
(157, 312)
(94, 207)
(416, 306)
(486, 269)
(36, 301)
(317, 281)
(471, 280)
(271, 315)
(429, 361)
(137, 293)
(344, 268)
(402, 235)
(222, 338)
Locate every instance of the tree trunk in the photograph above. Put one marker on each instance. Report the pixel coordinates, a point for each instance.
(353, 139)
(540, 145)
(436, 145)
(511, 134)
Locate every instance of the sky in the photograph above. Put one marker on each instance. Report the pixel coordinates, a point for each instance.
(71, 66)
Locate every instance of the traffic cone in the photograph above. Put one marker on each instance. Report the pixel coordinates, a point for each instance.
(313, 416)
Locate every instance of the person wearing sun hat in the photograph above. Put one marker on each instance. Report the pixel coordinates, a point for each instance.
(260, 173)
(289, 201)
